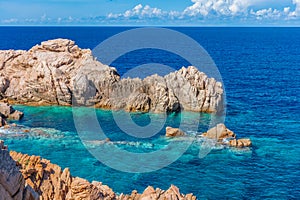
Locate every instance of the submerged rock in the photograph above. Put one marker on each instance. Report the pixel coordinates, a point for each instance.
(174, 132)
(59, 72)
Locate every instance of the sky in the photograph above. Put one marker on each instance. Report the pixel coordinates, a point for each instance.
(151, 12)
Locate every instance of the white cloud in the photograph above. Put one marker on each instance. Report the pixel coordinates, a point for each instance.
(9, 21)
(202, 11)
(296, 12)
(267, 14)
(140, 11)
(219, 7)
(208, 9)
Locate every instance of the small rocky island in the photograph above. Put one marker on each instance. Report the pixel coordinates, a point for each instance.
(58, 72)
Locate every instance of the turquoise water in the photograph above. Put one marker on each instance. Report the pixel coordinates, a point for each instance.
(270, 169)
(261, 72)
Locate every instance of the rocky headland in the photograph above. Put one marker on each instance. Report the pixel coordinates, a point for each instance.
(58, 72)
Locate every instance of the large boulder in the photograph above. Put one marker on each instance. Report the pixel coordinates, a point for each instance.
(219, 133)
(174, 132)
(8, 112)
(59, 72)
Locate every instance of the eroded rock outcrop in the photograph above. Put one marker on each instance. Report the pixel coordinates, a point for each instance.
(48, 181)
(243, 142)
(219, 133)
(222, 134)
(8, 112)
(174, 132)
(59, 72)
(158, 194)
(51, 182)
(12, 183)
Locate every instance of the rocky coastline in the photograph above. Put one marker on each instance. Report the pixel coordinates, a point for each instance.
(58, 72)
(25, 177)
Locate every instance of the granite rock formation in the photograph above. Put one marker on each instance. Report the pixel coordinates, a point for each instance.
(174, 132)
(240, 143)
(158, 194)
(58, 72)
(221, 133)
(12, 183)
(25, 177)
(51, 182)
(8, 112)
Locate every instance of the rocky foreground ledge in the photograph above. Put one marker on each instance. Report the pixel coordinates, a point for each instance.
(58, 72)
(24, 177)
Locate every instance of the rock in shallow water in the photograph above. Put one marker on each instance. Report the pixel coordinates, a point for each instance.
(244, 142)
(174, 132)
(219, 133)
(59, 72)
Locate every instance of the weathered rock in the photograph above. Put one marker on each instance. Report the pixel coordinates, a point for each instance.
(16, 115)
(219, 133)
(59, 72)
(12, 183)
(174, 132)
(245, 142)
(2, 122)
(157, 194)
(8, 112)
(4, 83)
(49, 181)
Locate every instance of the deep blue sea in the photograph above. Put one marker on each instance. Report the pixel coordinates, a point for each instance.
(260, 68)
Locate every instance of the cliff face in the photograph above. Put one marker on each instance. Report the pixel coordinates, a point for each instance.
(24, 177)
(59, 72)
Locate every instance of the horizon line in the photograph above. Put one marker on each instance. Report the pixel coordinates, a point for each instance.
(186, 26)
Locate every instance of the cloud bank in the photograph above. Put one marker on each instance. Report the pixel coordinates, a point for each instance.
(206, 10)
(199, 12)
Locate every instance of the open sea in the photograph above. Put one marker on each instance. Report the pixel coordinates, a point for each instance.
(260, 68)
